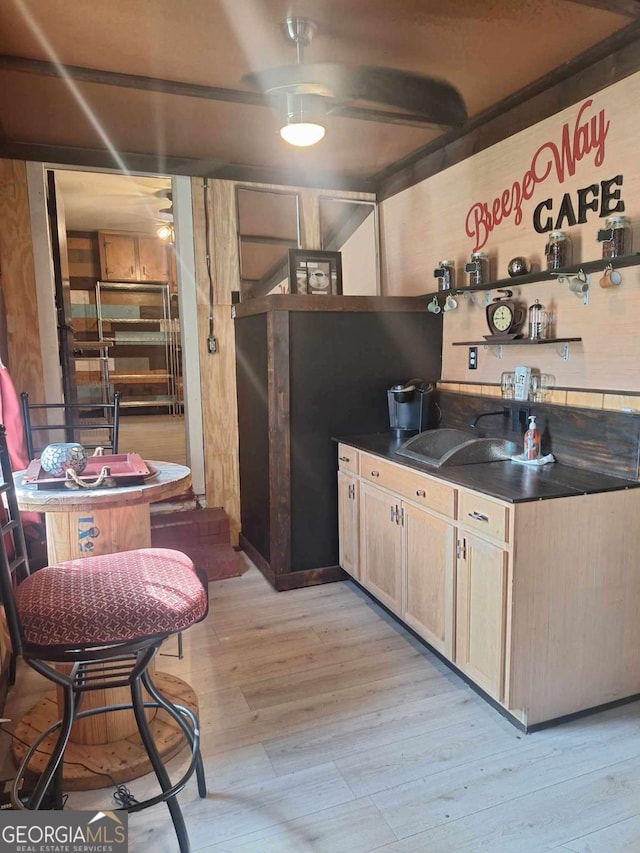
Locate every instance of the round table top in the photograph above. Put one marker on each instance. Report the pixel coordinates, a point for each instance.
(168, 481)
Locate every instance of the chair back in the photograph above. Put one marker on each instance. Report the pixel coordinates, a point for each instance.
(76, 421)
(14, 564)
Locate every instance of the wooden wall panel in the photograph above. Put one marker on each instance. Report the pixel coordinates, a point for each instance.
(426, 223)
(18, 280)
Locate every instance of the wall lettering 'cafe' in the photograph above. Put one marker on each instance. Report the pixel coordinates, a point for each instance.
(554, 160)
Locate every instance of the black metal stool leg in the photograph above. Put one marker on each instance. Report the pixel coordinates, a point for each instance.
(56, 759)
(158, 767)
(193, 737)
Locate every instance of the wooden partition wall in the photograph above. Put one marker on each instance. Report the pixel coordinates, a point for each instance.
(218, 371)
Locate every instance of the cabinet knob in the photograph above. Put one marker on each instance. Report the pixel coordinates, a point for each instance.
(375, 473)
(344, 458)
(478, 516)
(420, 493)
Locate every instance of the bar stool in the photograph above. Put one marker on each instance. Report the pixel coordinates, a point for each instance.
(104, 618)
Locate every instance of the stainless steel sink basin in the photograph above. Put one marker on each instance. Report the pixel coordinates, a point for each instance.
(440, 447)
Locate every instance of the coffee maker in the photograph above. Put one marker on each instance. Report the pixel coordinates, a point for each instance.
(409, 407)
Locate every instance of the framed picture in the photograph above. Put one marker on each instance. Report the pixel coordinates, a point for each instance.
(313, 272)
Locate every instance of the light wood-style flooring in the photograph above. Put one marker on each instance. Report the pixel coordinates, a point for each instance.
(327, 727)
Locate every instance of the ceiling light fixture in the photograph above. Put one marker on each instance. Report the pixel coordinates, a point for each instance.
(165, 231)
(303, 120)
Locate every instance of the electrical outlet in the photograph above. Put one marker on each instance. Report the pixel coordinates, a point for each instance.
(473, 358)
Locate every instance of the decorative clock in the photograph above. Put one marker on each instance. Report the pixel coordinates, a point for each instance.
(505, 317)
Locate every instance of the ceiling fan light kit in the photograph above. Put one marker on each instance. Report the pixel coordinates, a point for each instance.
(304, 117)
(314, 87)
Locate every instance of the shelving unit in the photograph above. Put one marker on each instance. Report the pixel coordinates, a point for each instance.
(488, 342)
(541, 275)
(137, 351)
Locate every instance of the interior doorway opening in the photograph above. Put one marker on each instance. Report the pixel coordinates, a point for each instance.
(121, 305)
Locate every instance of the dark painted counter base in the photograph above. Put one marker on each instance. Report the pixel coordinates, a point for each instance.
(292, 580)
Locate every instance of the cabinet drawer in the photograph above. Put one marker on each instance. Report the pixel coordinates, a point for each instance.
(408, 484)
(348, 458)
(484, 515)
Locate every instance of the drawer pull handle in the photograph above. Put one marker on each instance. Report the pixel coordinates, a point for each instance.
(344, 459)
(478, 516)
(420, 493)
(375, 473)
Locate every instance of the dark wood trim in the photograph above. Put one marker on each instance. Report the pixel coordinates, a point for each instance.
(355, 213)
(297, 302)
(257, 559)
(310, 577)
(291, 580)
(628, 8)
(269, 241)
(602, 65)
(151, 163)
(279, 441)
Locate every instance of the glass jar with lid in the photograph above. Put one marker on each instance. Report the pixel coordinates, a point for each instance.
(615, 237)
(445, 272)
(478, 269)
(558, 250)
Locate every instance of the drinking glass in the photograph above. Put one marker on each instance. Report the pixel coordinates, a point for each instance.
(507, 384)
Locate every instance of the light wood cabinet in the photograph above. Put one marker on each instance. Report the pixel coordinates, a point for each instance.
(153, 259)
(407, 554)
(381, 546)
(133, 257)
(481, 596)
(536, 602)
(429, 562)
(348, 518)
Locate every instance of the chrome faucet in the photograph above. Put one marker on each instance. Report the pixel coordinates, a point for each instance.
(504, 412)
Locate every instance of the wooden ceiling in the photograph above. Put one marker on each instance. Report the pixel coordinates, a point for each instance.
(154, 85)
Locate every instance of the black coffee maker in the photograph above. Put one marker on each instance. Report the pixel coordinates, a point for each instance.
(409, 407)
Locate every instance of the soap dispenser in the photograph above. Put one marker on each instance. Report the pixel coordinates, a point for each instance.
(532, 440)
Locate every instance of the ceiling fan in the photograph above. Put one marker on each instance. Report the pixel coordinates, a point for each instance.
(310, 91)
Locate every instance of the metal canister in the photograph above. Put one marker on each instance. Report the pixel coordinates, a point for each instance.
(478, 269)
(445, 272)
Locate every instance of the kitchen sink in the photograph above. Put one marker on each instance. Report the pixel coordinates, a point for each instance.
(440, 447)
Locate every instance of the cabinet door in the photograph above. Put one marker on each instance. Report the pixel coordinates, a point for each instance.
(381, 546)
(481, 593)
(348, 502)
(429, 561)
(153, 259)
(118, 257)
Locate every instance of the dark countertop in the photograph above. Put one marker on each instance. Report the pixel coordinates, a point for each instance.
(507, 480)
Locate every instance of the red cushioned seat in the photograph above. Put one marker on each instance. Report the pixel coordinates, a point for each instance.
(111, 598)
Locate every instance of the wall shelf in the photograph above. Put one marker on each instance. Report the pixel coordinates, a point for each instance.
(564, 342)
(541, 275)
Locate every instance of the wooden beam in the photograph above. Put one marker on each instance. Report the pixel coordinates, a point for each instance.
(195, 90)
(607, 62)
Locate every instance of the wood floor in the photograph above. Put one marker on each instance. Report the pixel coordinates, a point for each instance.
(326, 727)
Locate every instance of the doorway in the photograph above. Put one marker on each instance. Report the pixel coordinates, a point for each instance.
(124, 307)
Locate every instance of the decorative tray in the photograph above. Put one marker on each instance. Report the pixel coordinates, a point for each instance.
(124, 469)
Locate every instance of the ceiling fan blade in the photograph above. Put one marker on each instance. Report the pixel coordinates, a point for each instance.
(436, 100)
